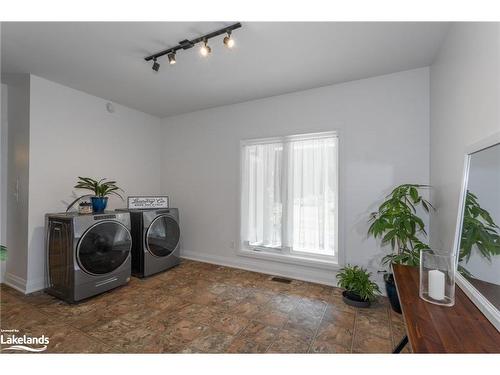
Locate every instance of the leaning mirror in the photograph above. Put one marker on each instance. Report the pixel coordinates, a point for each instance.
(478, 230)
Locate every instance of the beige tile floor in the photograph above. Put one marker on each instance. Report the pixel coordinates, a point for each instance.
(203, 308)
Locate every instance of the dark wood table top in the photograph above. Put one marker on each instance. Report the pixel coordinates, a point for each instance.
(461, 328)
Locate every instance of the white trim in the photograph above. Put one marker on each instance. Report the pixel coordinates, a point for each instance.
(485, 143)
(15, 282)
(490, 311)
(288, 138)
(268, 267)
(341, 198)
(22, 285)
(35, 286)
(291, 259)
(295, 257)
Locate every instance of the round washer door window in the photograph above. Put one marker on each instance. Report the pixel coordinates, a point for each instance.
(162, 236)
(104, 247)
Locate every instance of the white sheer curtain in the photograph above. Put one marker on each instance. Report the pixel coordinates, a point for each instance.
(312, 196)
(261, 198)
(289, 194)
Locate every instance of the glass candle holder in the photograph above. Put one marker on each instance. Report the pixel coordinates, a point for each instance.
(437, 278)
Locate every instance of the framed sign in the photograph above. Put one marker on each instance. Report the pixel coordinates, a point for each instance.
(146, 202)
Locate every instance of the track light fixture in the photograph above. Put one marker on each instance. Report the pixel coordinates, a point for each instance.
(171, 58)
(156, 65)
(205, 49)
(185, 44)
(228, 41)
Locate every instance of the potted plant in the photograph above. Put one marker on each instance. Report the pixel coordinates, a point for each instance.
(478, 229)
(3, 258)
(359, 291)
(101, 190)
(397, 223)
(3, 252)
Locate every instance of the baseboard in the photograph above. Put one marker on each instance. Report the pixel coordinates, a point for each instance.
(15, 282)
(22, 285)
(312, 275)
(35, 286)
(267, 267)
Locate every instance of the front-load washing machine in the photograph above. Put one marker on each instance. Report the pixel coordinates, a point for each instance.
(87, 254)
(155, 240)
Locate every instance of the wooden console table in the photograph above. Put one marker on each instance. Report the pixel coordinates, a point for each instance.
(437, 329)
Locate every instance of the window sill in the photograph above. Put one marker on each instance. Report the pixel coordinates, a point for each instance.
(291, 259)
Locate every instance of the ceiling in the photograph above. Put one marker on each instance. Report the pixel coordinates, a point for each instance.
(270, 58)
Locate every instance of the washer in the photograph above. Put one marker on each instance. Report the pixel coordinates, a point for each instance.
(155, 240)
(87, 254)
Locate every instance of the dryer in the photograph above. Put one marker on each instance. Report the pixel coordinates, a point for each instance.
(87, 254)
(155, 240)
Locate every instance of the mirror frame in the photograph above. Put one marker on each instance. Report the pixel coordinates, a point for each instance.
(482, 303)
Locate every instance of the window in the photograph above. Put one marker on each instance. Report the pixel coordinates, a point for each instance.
(289, 195)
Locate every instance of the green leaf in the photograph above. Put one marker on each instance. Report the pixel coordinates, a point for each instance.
(356, 279)
(414, 194)
(100, 188)
(397, 223)
(478, 231)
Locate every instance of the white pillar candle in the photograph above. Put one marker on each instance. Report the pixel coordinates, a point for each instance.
(436, 284)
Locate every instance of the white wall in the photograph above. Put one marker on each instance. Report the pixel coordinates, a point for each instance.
(72, 134)
(465, 108)
(17, 178)
(3, 167)
(384, 141)
(55, 134)
(3, 173)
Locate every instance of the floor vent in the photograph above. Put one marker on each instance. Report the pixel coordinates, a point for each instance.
(281, 280)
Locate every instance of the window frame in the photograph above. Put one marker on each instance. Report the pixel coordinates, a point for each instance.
(286, 254)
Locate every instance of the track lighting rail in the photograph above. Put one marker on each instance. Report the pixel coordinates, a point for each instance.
(187, 44)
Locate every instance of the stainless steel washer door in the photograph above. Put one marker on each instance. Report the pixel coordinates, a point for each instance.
(162, 236)
(104, 247)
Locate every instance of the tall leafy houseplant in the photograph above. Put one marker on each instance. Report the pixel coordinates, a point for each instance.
(478, 229)
(397, 223)
(101, 190)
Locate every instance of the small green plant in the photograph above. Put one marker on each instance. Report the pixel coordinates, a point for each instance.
(100, 188)
(478, 229)
(397, 223)
(3, 252)
(356, 280)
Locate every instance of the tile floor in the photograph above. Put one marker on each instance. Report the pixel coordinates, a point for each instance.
(203, 308)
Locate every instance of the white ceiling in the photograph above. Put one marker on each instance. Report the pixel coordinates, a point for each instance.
(106, 59)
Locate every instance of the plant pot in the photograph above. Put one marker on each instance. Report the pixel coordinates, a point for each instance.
(352, 299)
(392, 293)
(99, 204)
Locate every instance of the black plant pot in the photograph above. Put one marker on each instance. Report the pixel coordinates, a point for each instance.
(352, 299)
(392, 293)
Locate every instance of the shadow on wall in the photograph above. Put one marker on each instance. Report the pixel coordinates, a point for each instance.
(360, 221)
(361, 226)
